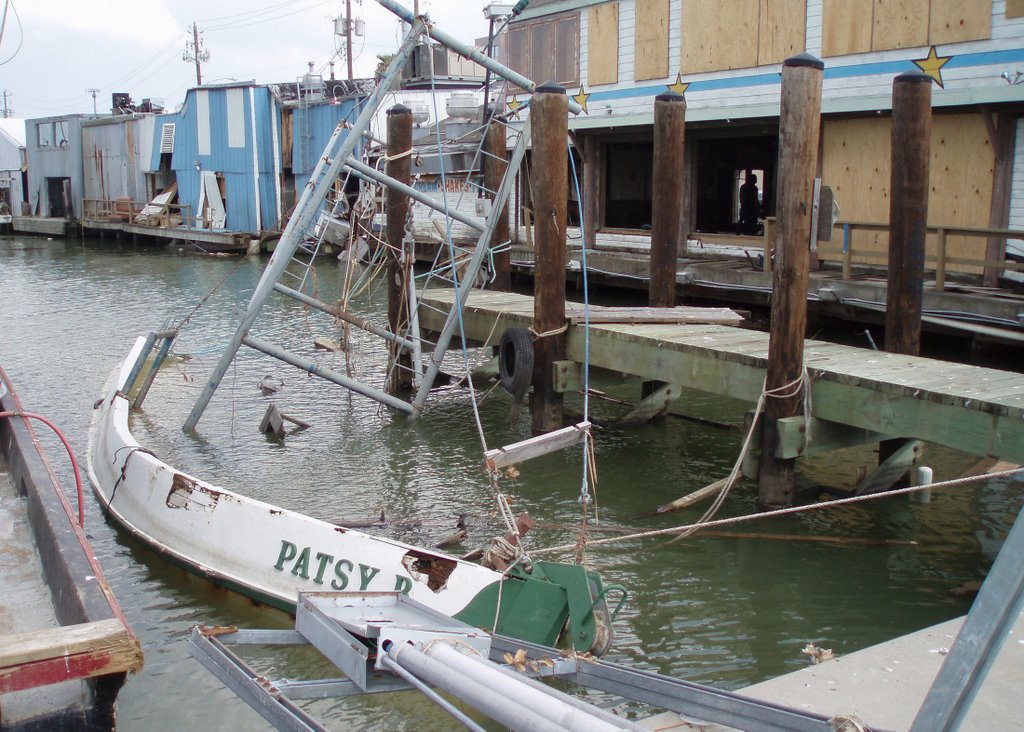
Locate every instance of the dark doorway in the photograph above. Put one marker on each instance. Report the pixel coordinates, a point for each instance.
(628, 199)
(58, 193)
(722, 166)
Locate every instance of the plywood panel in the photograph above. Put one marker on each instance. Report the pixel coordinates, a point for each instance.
(651, 40)
(846, 27)
(856, 165)
(961, 175)
(603, 44)
(955, 20)
(1014, 8)
(782, 29)
(718, 36)
(899, 24)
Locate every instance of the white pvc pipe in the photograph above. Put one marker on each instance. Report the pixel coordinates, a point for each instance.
(566, 716)
(505, 709)
(924, 477)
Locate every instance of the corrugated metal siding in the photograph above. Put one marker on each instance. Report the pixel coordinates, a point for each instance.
(116, 158)
(54, 162)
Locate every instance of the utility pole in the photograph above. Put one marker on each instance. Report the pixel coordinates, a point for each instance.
(93, 92)
(8, 109)
(348, 36)
(194, 51)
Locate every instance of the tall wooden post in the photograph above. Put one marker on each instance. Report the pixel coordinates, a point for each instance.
(666, 222)
(799, 126)
(908, 219)
(908, 210)
(549, 118)
(399, 167)
(495, 165)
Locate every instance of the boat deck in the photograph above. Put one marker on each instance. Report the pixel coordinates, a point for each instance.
(971, 408)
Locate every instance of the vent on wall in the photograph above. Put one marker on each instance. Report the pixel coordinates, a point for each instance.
(167, 138)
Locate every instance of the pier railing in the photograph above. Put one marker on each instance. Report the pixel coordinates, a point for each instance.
(146, 213)
(937, 260)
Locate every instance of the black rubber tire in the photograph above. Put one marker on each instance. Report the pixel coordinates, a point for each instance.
(515, 361)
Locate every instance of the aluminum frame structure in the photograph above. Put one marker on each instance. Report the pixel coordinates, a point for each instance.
(338, 156)
(411, 654)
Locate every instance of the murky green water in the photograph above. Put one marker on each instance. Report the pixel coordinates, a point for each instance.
(722, 610)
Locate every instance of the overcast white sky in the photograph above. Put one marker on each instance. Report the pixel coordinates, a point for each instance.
(53, 51)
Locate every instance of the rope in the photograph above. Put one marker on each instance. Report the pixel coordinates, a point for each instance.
(549, 333)
(397, 156)
(788, 511)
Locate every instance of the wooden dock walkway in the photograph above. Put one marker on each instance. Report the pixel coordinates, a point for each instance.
(859, 395)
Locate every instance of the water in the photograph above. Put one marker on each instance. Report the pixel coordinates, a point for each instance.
(721, 610)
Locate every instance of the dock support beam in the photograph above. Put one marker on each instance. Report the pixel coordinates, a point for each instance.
(399, 167)
(549, 113)
(666, 223)
(799, 127)
(495, 165)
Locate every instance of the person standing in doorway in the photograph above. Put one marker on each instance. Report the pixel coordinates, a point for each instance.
(749, 206)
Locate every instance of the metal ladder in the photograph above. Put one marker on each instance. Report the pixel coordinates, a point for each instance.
(338, 155)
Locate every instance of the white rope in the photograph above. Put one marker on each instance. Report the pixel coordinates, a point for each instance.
(788, 511)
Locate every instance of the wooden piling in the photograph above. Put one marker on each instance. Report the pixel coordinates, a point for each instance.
(549, 118)
(908, 221)
(666, 223)
(399, 167)
(908, 210)
(799, 127)
(495, 165)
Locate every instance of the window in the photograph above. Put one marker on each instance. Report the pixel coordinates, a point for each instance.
(44, 134)
(547, 49)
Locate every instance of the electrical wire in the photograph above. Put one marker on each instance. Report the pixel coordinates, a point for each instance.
(21, 32)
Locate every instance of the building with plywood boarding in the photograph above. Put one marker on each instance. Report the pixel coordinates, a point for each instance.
(615, 56)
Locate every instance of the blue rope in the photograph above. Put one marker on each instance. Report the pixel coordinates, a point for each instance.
(585, 486)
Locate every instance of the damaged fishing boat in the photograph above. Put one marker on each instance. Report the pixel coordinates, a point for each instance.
(272, 554)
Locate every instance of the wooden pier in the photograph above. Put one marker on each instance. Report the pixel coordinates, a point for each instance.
(859, 395)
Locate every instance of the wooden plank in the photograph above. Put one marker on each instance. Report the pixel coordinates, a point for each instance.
(67, 652)
(825, 437)
(1015, 8)
(899, 24)
(710, 32)
(846, 27)
(651, 406)
(603, 44)
(954, 21)
(893, 469)
(650, 50)
(534, 447)
(781, 30)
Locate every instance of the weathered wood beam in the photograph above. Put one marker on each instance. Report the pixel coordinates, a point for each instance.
(825, 437)
(69, 652)
(886, 475)
(652, 405)
(534, 447)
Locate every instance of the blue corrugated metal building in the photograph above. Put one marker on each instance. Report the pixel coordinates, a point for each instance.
(229, 145)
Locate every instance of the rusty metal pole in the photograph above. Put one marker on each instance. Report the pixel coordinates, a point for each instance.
(666, 223)
(799, 127)
(399, 167)
(908, 210)
(549, 118)
(495, 165)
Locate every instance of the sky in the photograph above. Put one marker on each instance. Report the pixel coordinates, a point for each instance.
(52, 52)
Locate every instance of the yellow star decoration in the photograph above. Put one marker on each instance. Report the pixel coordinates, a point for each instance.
(932, 65)
(581, 99)
(680, 86)
(514, 105)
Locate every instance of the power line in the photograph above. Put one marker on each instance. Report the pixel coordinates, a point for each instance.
(21, 31)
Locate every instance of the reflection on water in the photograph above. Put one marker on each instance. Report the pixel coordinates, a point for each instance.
(718, 609)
